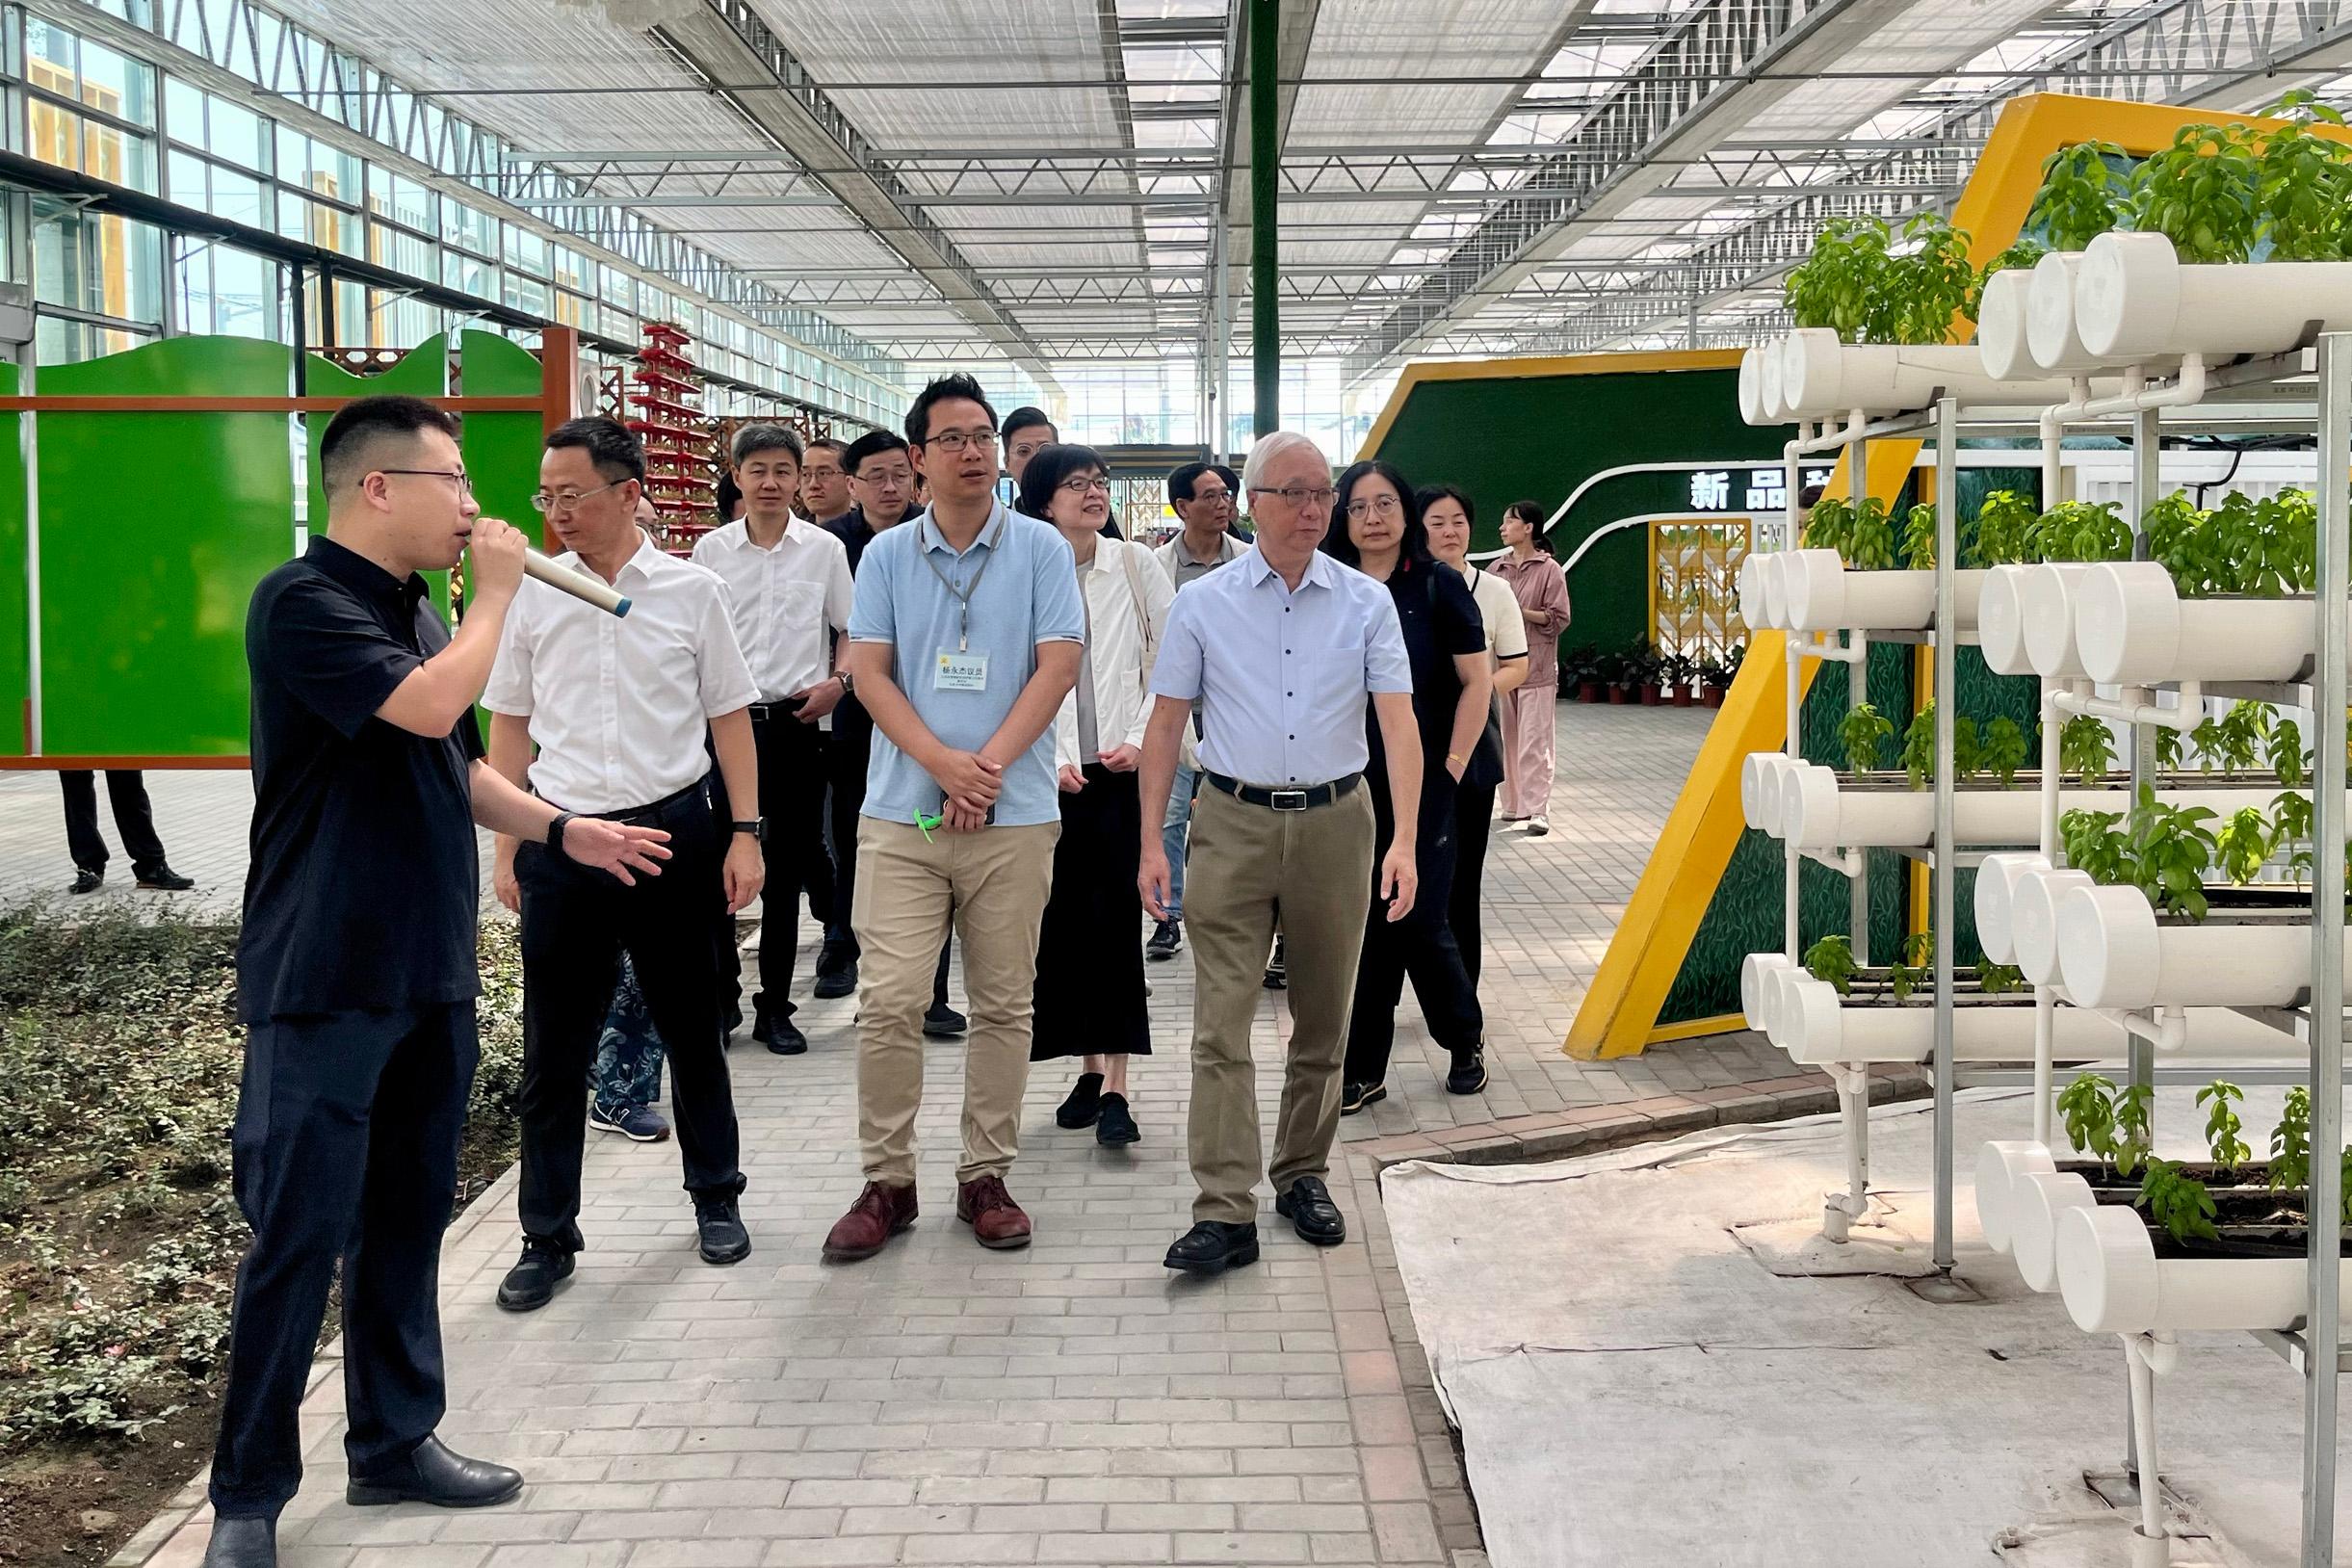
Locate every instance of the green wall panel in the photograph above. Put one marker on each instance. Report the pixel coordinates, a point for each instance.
(143, 591)
(16, 590)
(1539, 436)
(502, 451)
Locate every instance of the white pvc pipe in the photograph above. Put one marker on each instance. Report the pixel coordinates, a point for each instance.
(1817, 813)
(2000, 621)
(2133, 629)
(1760, 776)
(1822, 595)
(2034, 920)
(2036, 1204)
(2051, 340)
(1997, 882)
(1770, 398)
(2045, 602)
(2001, 326)
(2114, 1283)
(1754, 608)
(1817, 1027)
(2001, 1164)
(2135, 299)
(1751, 387)
(1754, 970)
(1772, 583)
(2115, 954)
(1821, 377)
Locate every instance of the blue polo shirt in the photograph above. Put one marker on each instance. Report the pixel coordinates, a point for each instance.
(1024, 591)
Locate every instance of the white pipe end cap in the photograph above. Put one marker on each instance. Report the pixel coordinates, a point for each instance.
(2000, 621)
(2050, 312)
(1754, 970)
(2045, 599)
(2035, 1206)
(2033, 919)
(2107, 1270)
(1813, 589)
(2001, 1164)
(1997, 882)
(1808, 806)
(2128, 295)
(2127, 623)
(2107, 947)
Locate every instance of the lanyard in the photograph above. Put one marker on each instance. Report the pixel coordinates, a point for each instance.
(994, 533)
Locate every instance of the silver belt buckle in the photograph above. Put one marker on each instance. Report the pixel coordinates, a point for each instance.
(1287, 799)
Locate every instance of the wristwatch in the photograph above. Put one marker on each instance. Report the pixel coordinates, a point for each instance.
(554, 831)
(757, 828)
(848, 686)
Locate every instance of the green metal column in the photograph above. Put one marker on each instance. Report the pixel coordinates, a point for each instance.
(1264, 185)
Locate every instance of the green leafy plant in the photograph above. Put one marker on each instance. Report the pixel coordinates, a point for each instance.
(2207, 738)
(2243, 842)
(2082, 530)
(1869, 545)
(2303, 189)
(2291, 824)
(2242, 735)
(2178, 1201)
(2004, 529)
(2083, 195)
(1929, 284)
(2168, 749)
(1910, 972)
(2178, 540)
(1832, 959)
(1865, 734)
(2086, 749)
(1919, 756)
(2095, 845)
(2087, 1109)
(2003, 752)
(2172, 848)
(2000, 979)
(2283, 751)
(1968, 751)
(2134, 1126)
(1840, 284)
(1918, 546)
(1829, 525)
(2224, 1133)
(2290, 1142)
(2200, 192)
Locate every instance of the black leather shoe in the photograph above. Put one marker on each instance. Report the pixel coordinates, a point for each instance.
(241, 1543)
(1085, 1104)
(1116, 1126)
(1212, 1246)
(432, 1473)
(779, 1034)
(1469, 1072)
(531, 1282)
(836, 972)
(1312, 1214)
(718, 1227)
(1278, 969)
(86, 880)
(1355, 1097)
(944, 1023)
(162, 878)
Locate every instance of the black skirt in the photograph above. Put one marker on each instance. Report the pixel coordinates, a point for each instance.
(1089, 946)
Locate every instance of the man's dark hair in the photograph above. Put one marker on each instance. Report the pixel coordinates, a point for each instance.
(750, 440)
(1414, 546)
(360, 423)
(1021, 419)
(1430, 494)
(1048, 466)
(839, 448)
(1182, 479)
(1811, 494)
(872, 444)
(958, 385)
(728, 496)
(610, 445)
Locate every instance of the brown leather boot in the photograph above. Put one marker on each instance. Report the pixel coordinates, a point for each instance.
(995, 1220)
(879, 1213)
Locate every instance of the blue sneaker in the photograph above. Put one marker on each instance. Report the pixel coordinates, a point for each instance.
(641, 1124)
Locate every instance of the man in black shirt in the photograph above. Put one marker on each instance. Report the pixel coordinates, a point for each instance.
(355, 968)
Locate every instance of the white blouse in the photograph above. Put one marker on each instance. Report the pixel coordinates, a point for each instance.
(1127, 593)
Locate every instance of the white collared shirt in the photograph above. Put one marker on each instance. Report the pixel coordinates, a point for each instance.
(1283, 677)
(786, 602)
(1120, 602)
(618, 704)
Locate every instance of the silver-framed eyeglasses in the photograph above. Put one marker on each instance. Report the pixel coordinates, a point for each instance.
(1298, 495)
(544, 503)
(465, 481)
(954, 442)
(1377, 506)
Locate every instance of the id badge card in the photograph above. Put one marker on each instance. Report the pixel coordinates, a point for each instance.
(960, 672)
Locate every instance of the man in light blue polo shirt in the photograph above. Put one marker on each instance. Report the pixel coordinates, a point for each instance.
(964, 637)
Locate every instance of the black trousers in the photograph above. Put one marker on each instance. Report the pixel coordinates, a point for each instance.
(792, 799)
(1474, 819)
(1421, 945)
(344, 1148)
(1090, 989)
(847, 751)
(134, 818)
(577, 922)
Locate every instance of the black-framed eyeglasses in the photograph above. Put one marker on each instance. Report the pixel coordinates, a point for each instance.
(1079, 485)
(954, 442)
(1298, 495)
(465, 481)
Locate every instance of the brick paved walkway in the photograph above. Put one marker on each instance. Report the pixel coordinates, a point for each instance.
(943, 1404)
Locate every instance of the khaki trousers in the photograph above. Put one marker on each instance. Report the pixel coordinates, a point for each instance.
(1247, 863)
(994, 883)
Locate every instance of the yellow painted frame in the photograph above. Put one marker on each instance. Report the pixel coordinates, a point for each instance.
(1619, 1013)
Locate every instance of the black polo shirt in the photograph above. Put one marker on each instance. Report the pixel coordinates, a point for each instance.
(1440, 619)
(364, 888)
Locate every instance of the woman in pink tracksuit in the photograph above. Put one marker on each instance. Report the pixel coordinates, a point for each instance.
(1542, 588)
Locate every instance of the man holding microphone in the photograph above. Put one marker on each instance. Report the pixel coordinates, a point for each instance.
(355, 968)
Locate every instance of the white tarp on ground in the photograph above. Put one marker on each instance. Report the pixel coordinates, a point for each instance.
(1633, 1388)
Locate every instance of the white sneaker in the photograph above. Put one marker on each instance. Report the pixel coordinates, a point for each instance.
(1538, 826)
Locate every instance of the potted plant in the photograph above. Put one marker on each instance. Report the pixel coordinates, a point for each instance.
(1642, 665)
(1714, 679)
(1613, 671)
(1576, 673)
(1676, 673)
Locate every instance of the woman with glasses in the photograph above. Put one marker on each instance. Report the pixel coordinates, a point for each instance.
(1446, 515)
(1376, 528)
(1090, 992)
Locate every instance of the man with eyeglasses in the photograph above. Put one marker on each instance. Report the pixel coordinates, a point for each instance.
(1026, 432)
(788, 584)
(964, 639)
(1280, 650)
(617, 709)
(1203, 496)
(824, 481)
(357, 975)
(882, 479)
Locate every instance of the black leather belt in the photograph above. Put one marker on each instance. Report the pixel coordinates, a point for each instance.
(640, 816)
(765, 712)
(1303, 797)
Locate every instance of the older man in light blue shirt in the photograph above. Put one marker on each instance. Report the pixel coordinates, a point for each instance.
(1282, 650)
(964, 637)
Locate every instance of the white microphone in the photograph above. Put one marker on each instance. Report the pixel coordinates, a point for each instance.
(579, 585)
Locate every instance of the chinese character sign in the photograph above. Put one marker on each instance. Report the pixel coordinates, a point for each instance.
(1711, 489)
